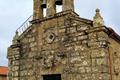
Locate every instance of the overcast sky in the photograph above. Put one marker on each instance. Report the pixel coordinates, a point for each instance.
(14, 12)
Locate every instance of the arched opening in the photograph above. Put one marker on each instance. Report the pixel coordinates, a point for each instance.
(44, 12)
(58, 8)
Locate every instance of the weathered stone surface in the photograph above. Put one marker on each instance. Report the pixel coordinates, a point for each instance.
(38, 12)
(76, 48)
(51, 8)
(67, 5)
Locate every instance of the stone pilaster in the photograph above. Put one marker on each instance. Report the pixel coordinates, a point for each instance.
(37, 11)
(51, 8)
(14, 57)
(68, 5)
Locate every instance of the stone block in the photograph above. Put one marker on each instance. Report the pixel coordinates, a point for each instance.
(15, 68)
(98, 53)
(84, 37)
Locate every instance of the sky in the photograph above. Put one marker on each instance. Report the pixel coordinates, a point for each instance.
(14, 12)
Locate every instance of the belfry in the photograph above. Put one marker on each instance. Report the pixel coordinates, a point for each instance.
(50, 5)
(63, 46)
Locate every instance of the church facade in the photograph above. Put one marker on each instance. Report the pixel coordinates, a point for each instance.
(64, 46)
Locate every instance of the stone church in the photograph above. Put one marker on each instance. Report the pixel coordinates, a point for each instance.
(63, 46)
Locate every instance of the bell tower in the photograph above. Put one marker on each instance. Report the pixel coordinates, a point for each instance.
(50, 6)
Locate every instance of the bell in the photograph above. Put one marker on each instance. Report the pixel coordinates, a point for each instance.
(58, 2)
(43, 4)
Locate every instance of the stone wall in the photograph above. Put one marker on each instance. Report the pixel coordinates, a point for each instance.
(114, 50)
(66, 45)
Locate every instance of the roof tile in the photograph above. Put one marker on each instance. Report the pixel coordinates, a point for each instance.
(3, 70)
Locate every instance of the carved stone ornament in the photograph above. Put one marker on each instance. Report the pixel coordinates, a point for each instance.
(49, 36)
(50, 59)
(98, 19)
(15, 38)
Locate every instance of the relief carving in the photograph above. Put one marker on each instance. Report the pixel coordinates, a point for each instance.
(49, 59)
